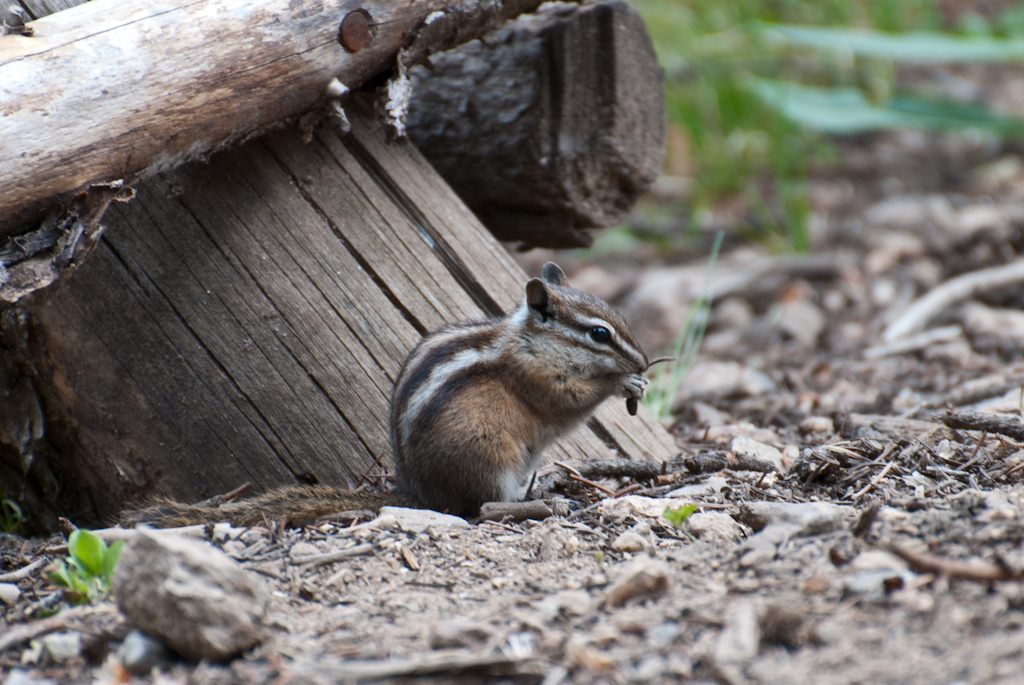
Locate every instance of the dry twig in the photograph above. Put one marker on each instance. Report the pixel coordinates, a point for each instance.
(966, 569)
(951, 292)
(22, 573)
(1010, 426)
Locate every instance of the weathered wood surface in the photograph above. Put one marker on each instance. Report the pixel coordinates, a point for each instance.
(246, 319)
(118, 89)
(554, 124)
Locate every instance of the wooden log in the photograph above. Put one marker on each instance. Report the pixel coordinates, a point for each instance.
(244, 320)
(554, 124)
(122, 89)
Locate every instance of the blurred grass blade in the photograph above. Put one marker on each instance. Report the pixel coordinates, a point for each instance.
(664, 382)
(847, 110)
(914, 46)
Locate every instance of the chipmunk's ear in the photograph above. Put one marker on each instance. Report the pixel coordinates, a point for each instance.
(538, 299)
(553, 274)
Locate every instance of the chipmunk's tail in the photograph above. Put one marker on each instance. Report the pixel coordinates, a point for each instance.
(298, 505)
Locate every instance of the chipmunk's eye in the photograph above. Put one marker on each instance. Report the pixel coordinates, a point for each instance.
(600, 334)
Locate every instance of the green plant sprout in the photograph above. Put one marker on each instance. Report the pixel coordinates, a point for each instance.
(11, 517)
(665, 379)
(90, 564)
(677, 517)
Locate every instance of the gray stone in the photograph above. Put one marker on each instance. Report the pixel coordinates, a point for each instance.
(641, 578)
(760, 452)
(140, 653)
(60, 648)
(565, 603)
(777, 522)
(191, 595)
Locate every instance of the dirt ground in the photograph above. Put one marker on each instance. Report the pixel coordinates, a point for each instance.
(898, 557)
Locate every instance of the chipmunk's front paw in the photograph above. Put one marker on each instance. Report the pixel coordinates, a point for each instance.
(633, 386)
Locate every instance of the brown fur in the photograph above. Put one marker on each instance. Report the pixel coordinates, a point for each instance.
(294, 503)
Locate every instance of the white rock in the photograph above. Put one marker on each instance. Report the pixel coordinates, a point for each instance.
(817, 424)
(733, 312)
(709, 486)
(714, 526)
(418, 520)
(139, 653)
(303, 549)
(223, 532)
(9, 593)
(629, 542)
(637, 505)
(60, 648)
(802, 321)
(759, 451)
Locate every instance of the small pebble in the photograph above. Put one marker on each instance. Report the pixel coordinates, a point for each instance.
(643, 577)
(629, 542)
(139, 653)
(9, 593)
(60, 648)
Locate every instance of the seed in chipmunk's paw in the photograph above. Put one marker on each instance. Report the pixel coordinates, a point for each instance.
(631, 406)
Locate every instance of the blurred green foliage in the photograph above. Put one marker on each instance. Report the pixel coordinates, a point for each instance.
(754, 83)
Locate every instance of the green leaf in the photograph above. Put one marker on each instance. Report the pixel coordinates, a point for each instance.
(847, 110)
(928, 47)
(88, 551)
(110, 559)
(677, 517)
(76, 588)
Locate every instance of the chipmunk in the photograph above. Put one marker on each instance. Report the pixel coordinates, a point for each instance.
(474, 407)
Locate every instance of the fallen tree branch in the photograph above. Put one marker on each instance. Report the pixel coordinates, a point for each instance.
(951, 292)
(965, 569)
(912, 343)
(427, 664)
(514, 511)
(1010, 426)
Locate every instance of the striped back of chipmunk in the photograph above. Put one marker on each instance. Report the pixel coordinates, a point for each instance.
(434, 368)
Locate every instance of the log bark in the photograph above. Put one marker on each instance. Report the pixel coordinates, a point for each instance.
(551, 125)
(122, 89)
(244, 320)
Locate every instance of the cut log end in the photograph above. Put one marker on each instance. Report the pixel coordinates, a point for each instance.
(553, 125)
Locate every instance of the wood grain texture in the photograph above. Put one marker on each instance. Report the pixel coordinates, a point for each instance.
(124, 88)
(245, 320)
